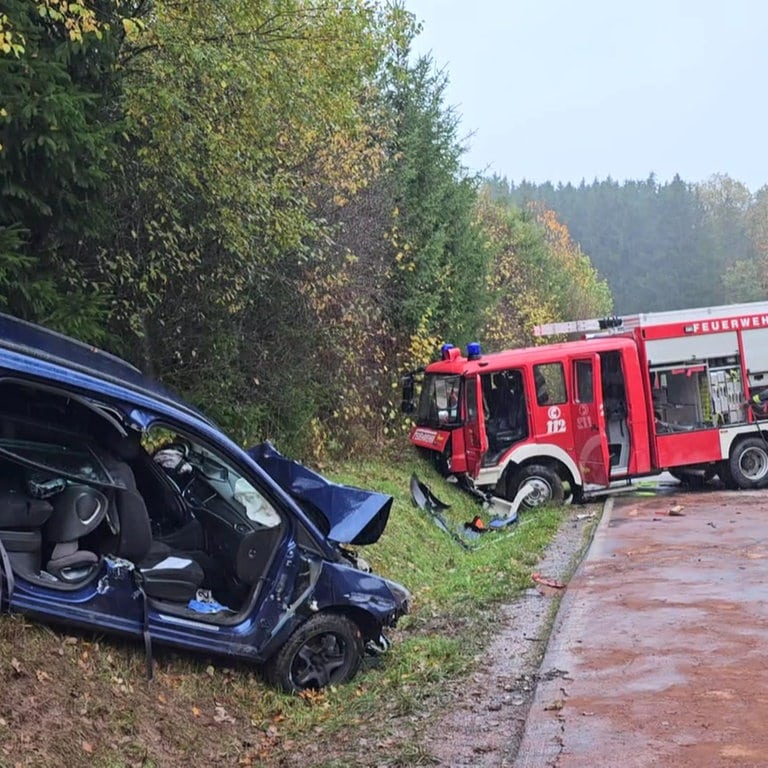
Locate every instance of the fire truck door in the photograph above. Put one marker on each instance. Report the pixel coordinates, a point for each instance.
(590, 440)
(475, 439)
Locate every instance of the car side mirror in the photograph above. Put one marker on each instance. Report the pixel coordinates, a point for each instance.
(407, 405)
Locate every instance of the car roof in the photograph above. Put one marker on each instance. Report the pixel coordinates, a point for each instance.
(50, 347)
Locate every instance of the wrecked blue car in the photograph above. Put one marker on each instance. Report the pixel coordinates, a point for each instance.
(123, 509)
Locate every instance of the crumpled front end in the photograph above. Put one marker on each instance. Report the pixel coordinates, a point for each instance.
(347, 515)
(372, 602)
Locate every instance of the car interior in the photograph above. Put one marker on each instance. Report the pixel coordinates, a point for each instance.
(78, 486)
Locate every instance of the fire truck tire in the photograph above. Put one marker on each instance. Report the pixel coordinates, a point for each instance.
(442, 460)
(547, 483)
(693, 478)
(748, 463)
(724, 473)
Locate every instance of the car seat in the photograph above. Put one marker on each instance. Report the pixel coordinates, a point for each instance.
(508, 422)
(166, 574)
(77, 511)
(21, 521)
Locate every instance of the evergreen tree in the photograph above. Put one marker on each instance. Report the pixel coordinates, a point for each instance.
(439, 284)
(59, 128)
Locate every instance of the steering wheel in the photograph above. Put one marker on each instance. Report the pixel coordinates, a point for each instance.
(180, 444)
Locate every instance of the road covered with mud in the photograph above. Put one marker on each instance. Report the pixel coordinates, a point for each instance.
(659, 653)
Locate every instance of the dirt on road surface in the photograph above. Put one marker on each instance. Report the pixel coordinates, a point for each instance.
(484, 724)
(659, 654)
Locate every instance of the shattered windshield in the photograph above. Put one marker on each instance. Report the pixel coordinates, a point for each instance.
(439, 401)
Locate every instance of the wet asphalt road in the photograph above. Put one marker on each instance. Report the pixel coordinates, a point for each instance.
(659, 655)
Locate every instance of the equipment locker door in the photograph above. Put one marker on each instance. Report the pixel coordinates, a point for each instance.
(590, 440)
(475, 439)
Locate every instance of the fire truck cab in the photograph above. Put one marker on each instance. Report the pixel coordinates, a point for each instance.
(632, 397)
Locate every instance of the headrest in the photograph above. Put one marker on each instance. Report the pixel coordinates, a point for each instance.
(17, 510)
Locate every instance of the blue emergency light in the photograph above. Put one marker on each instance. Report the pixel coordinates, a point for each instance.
(444, 350)
(473, 351)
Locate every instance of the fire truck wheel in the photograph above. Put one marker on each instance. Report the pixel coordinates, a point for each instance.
(548, 487)
(693, 478)
(749, 463)
(442, 460)
(724, 473)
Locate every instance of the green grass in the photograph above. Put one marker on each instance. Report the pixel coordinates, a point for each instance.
(87, 700)
(442, 576)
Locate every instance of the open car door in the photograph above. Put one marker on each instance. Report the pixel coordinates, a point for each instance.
(589, 435)
(475, 437)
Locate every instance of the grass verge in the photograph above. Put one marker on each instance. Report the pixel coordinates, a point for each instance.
(83, 700)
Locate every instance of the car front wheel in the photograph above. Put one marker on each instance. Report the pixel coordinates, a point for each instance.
(325, 650)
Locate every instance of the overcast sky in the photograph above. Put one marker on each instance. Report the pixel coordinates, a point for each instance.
(560, 90)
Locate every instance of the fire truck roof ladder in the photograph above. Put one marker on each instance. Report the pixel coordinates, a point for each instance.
(614, 324)
(595, 325)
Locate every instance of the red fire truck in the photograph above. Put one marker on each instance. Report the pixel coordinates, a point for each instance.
(634, 396)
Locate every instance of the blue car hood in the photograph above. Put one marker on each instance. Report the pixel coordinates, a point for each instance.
(348, 515)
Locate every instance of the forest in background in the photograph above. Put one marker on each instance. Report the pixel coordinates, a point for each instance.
(662, 245)
(262, 204)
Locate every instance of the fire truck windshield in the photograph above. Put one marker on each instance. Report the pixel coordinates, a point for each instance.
(439, 401)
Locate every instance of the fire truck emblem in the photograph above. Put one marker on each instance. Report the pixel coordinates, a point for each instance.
(555, 424)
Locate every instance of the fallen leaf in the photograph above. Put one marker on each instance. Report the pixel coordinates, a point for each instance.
(313, 697)
(87, 747)
(676, 511)
(195, 712)
(16, 664)
(42, 676)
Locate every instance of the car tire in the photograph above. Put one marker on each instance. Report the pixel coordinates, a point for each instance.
(748, 463)
(326, 650)
(548, 486)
